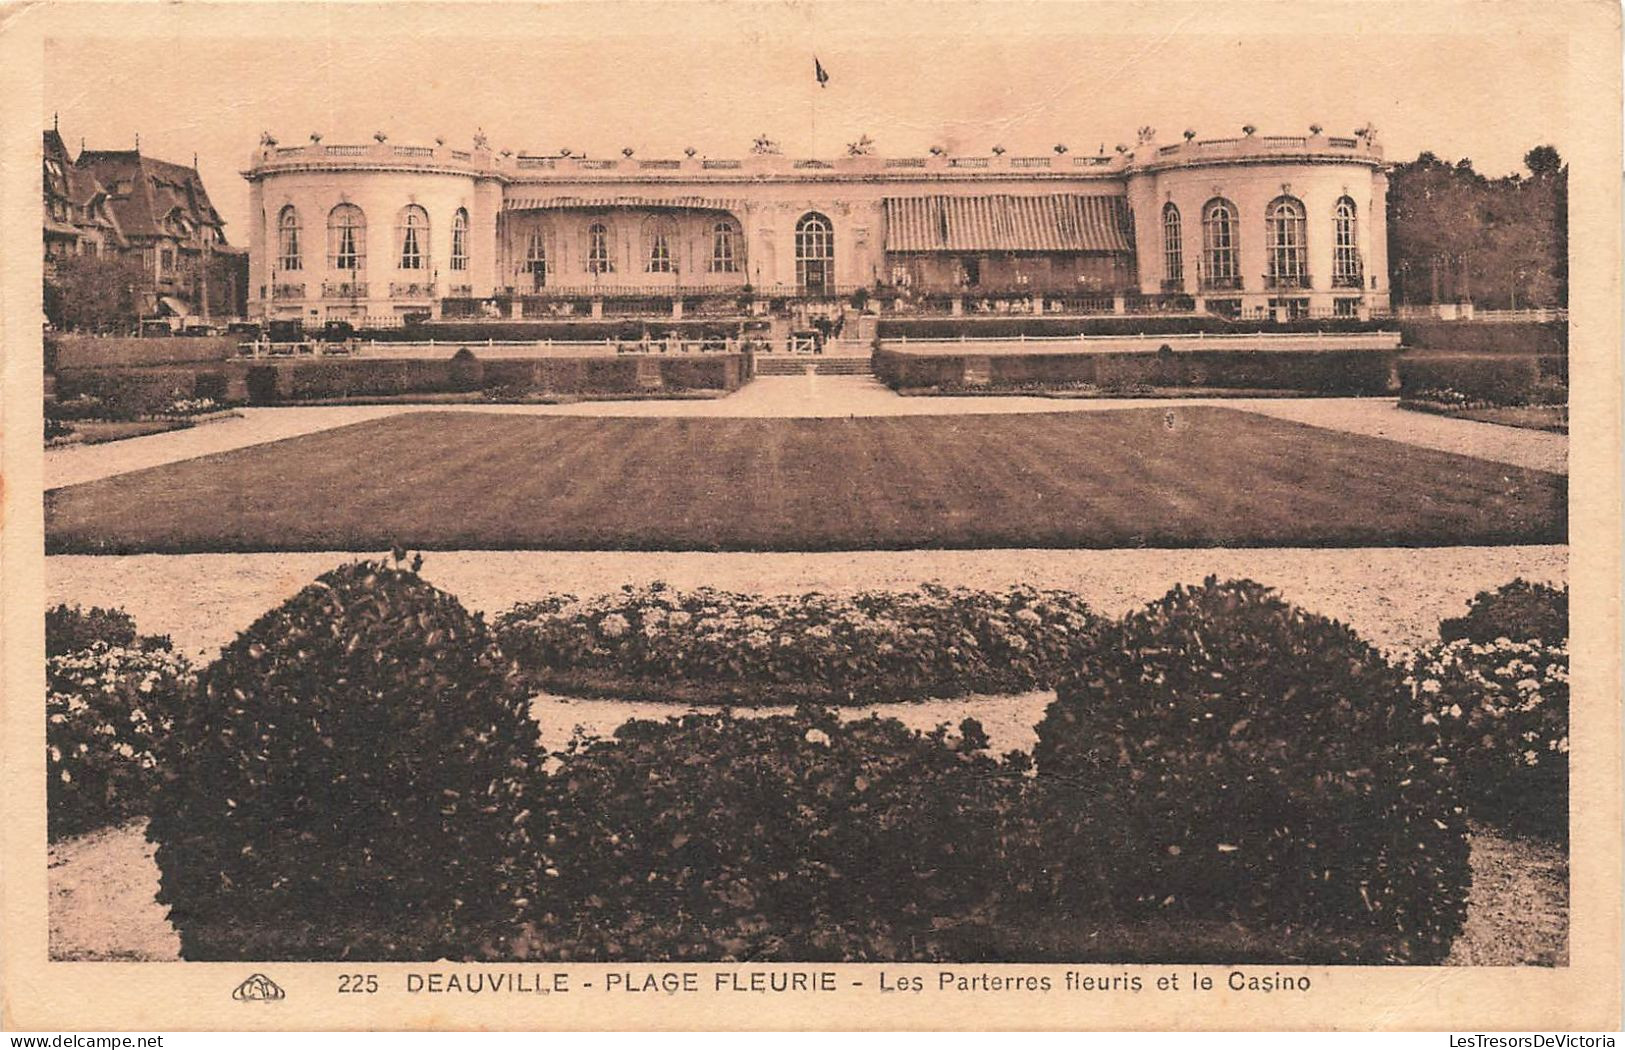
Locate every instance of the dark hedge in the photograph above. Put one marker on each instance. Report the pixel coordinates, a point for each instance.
(795, 838)
(1494, 379)
(1262, 764)
(72, 628)
(1520, 611)
(350, 782)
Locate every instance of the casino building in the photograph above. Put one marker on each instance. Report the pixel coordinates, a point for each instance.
(1281, 226)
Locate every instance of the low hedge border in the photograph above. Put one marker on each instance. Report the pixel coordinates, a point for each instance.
(1335, 372)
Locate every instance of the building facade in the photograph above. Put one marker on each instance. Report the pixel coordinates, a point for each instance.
(1282, 226)
(122, 203)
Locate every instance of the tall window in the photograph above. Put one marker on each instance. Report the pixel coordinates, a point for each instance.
(815, 253)
(598, 258)
(1173, 250)
(1346, 269)
(459, 240)
(346, 238)
(287, 240)
(413, 236)
(1284, 230)
(724, 257)
(536, 258)
(1220, 246)
(658, 236)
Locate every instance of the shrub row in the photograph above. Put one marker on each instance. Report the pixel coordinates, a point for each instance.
(862, 648)
(1348, 372)
(122, 393)
(357, 779)
(466, 372)
(1494, 379)
(1518, 337)
(86, 351)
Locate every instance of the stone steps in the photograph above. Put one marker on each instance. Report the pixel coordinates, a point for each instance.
(821, 364)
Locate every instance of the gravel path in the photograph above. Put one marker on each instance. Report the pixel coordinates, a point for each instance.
(815, 396)
(1395, 597)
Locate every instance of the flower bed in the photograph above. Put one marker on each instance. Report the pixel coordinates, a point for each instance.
(1501, 711)
(721, 647)
(108, 711)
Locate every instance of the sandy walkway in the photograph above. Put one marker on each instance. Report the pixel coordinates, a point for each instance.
(815, 396)
(1395, 597)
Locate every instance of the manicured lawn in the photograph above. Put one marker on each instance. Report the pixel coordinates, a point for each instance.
(1186, 477)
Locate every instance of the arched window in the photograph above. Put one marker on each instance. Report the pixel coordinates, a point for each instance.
(1173, 250)
(287, 240)
(1346, 269)
(412, 234)
(659, 251)
(459, 240)
(724, 249)
(1220, 246)
(1288, 254)
(346, 238)
(599, 259)
(815, 254)
(536, 258)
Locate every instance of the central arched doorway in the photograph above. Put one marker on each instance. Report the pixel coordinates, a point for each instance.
(815, 255)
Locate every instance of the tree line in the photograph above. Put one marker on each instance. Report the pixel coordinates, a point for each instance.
(1455, 235)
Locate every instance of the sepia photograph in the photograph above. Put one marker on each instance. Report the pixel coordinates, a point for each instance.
(969, 503)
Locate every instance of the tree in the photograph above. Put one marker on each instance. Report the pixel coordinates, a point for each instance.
(1544, 162)
(96, 292)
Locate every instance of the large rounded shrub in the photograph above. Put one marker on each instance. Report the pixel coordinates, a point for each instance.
(1265, 765)
(350, 782)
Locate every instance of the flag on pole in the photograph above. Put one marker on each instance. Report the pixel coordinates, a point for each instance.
(819, 72)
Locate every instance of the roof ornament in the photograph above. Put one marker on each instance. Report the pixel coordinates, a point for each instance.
(764, 146)
(1190, 133)
(480, 141)
(266, 139)
(1368, 132)
(440, 140)
(565, 151)
(689, 152)
(380, 136)
(1145, 134)
(627, 152)
(1060, 148)
(937, 151)
(1315, 129)
(998, 151)
(864, 147)
(1248, 129)
(316, 138)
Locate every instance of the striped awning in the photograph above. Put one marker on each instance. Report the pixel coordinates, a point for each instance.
(699, 203)
(1056, 222)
